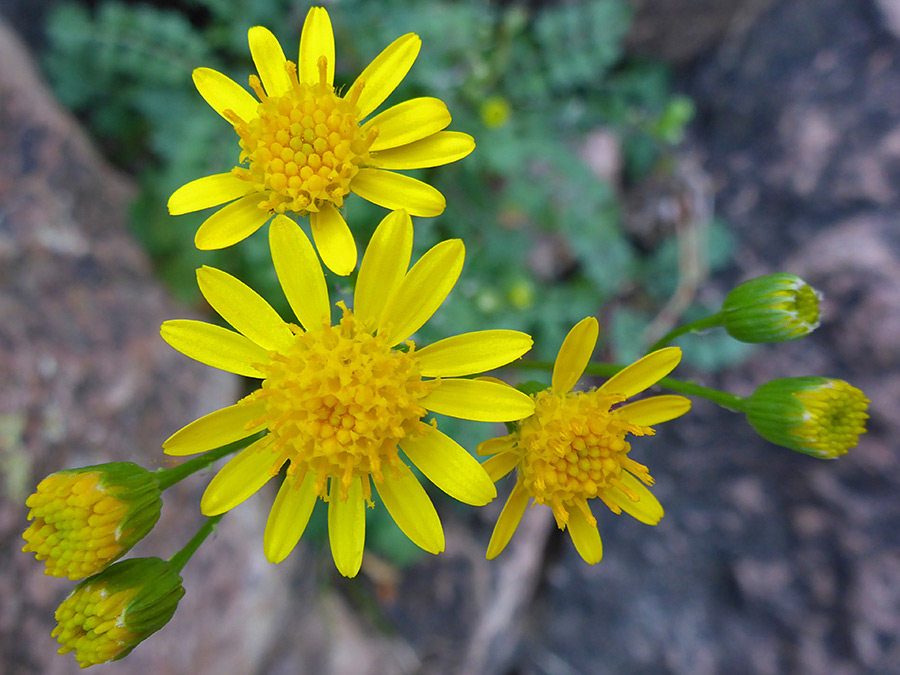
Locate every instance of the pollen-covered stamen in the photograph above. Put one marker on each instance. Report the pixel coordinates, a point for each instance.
(574, 449)
(338, 402)
(303, 148)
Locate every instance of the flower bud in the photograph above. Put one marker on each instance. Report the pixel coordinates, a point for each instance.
(110, 613)
(84, 519)
(818, 416)
(772, 308)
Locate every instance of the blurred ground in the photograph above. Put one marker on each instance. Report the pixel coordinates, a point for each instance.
(766, 562)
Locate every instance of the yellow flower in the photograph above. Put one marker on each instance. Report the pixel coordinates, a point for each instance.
(818, 416)
(338, 400)
(84, 519)
(304, 147)
(573, 448)
(110, 613)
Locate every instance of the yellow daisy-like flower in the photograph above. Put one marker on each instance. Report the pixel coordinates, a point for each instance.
(304, 147)
(573, 448)
(339, 400)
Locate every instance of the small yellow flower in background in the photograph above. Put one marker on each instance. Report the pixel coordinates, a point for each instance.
(304, 147)
(84, 519)
(573, 448)
(110, 613)
(338, 400)
(818, 416)
(773, 308)
(495, 112)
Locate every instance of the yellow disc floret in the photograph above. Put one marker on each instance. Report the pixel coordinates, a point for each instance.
(91, 623)
(339, 401)
(75, 527)
(835, 416)
(573, 449)
(303, 148)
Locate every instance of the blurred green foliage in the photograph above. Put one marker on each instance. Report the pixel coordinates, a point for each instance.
(553, 73)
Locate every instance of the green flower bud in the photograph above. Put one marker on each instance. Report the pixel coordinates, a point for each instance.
(110, 613)
(84, 519)
(818, 416)
(772, 308)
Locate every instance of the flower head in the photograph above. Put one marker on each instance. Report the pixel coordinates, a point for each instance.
(110, 613)
(574, 447)
(305, 147)
(773, 308)
(818, 416)
(338, 400)
(84, 519)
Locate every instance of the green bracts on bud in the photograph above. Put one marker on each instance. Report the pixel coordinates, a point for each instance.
(818, 416)
(84, 519)
(110, 613)
(772, 308)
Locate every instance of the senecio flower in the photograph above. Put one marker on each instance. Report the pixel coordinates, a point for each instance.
(338, 400)
(773, 308)
(573, 448)
(110, 613)
(818, 416)
(304, 147)
(84, 519)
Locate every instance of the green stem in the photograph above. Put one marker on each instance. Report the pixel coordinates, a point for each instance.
(168, 477)
(722, 398)
(179, 560)
(699, 324)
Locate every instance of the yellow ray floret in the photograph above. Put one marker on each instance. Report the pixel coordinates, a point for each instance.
(339, 401)
(305, 147)
(574, 448)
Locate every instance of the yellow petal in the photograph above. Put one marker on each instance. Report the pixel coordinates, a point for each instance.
(347, 527)
(422, 290)
(240, 478)
(206, 192)
(412, 510)
(232, 223)
(501, 464)
(575, 354)
(383, 266)
(217, 429)
(244, 309)
(654, 410)
(508, 521)
(585, 536)
(441, 148)
(316, 41)
(492, 446)
(385, 72)
(478, 400)
(647, 509)
(395, 191)
(446, 464)
(474, 352)
(407, 122)
(643, 373)
(289, 515)
(299, 273)
(222, 93)
(215, 346)
(269, 60)
(333, 239)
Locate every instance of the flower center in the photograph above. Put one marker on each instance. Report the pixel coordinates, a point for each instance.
(574, 448)
(76, 525)
(303, 148)
(338, 402)
(836, 417)
(91, 621)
